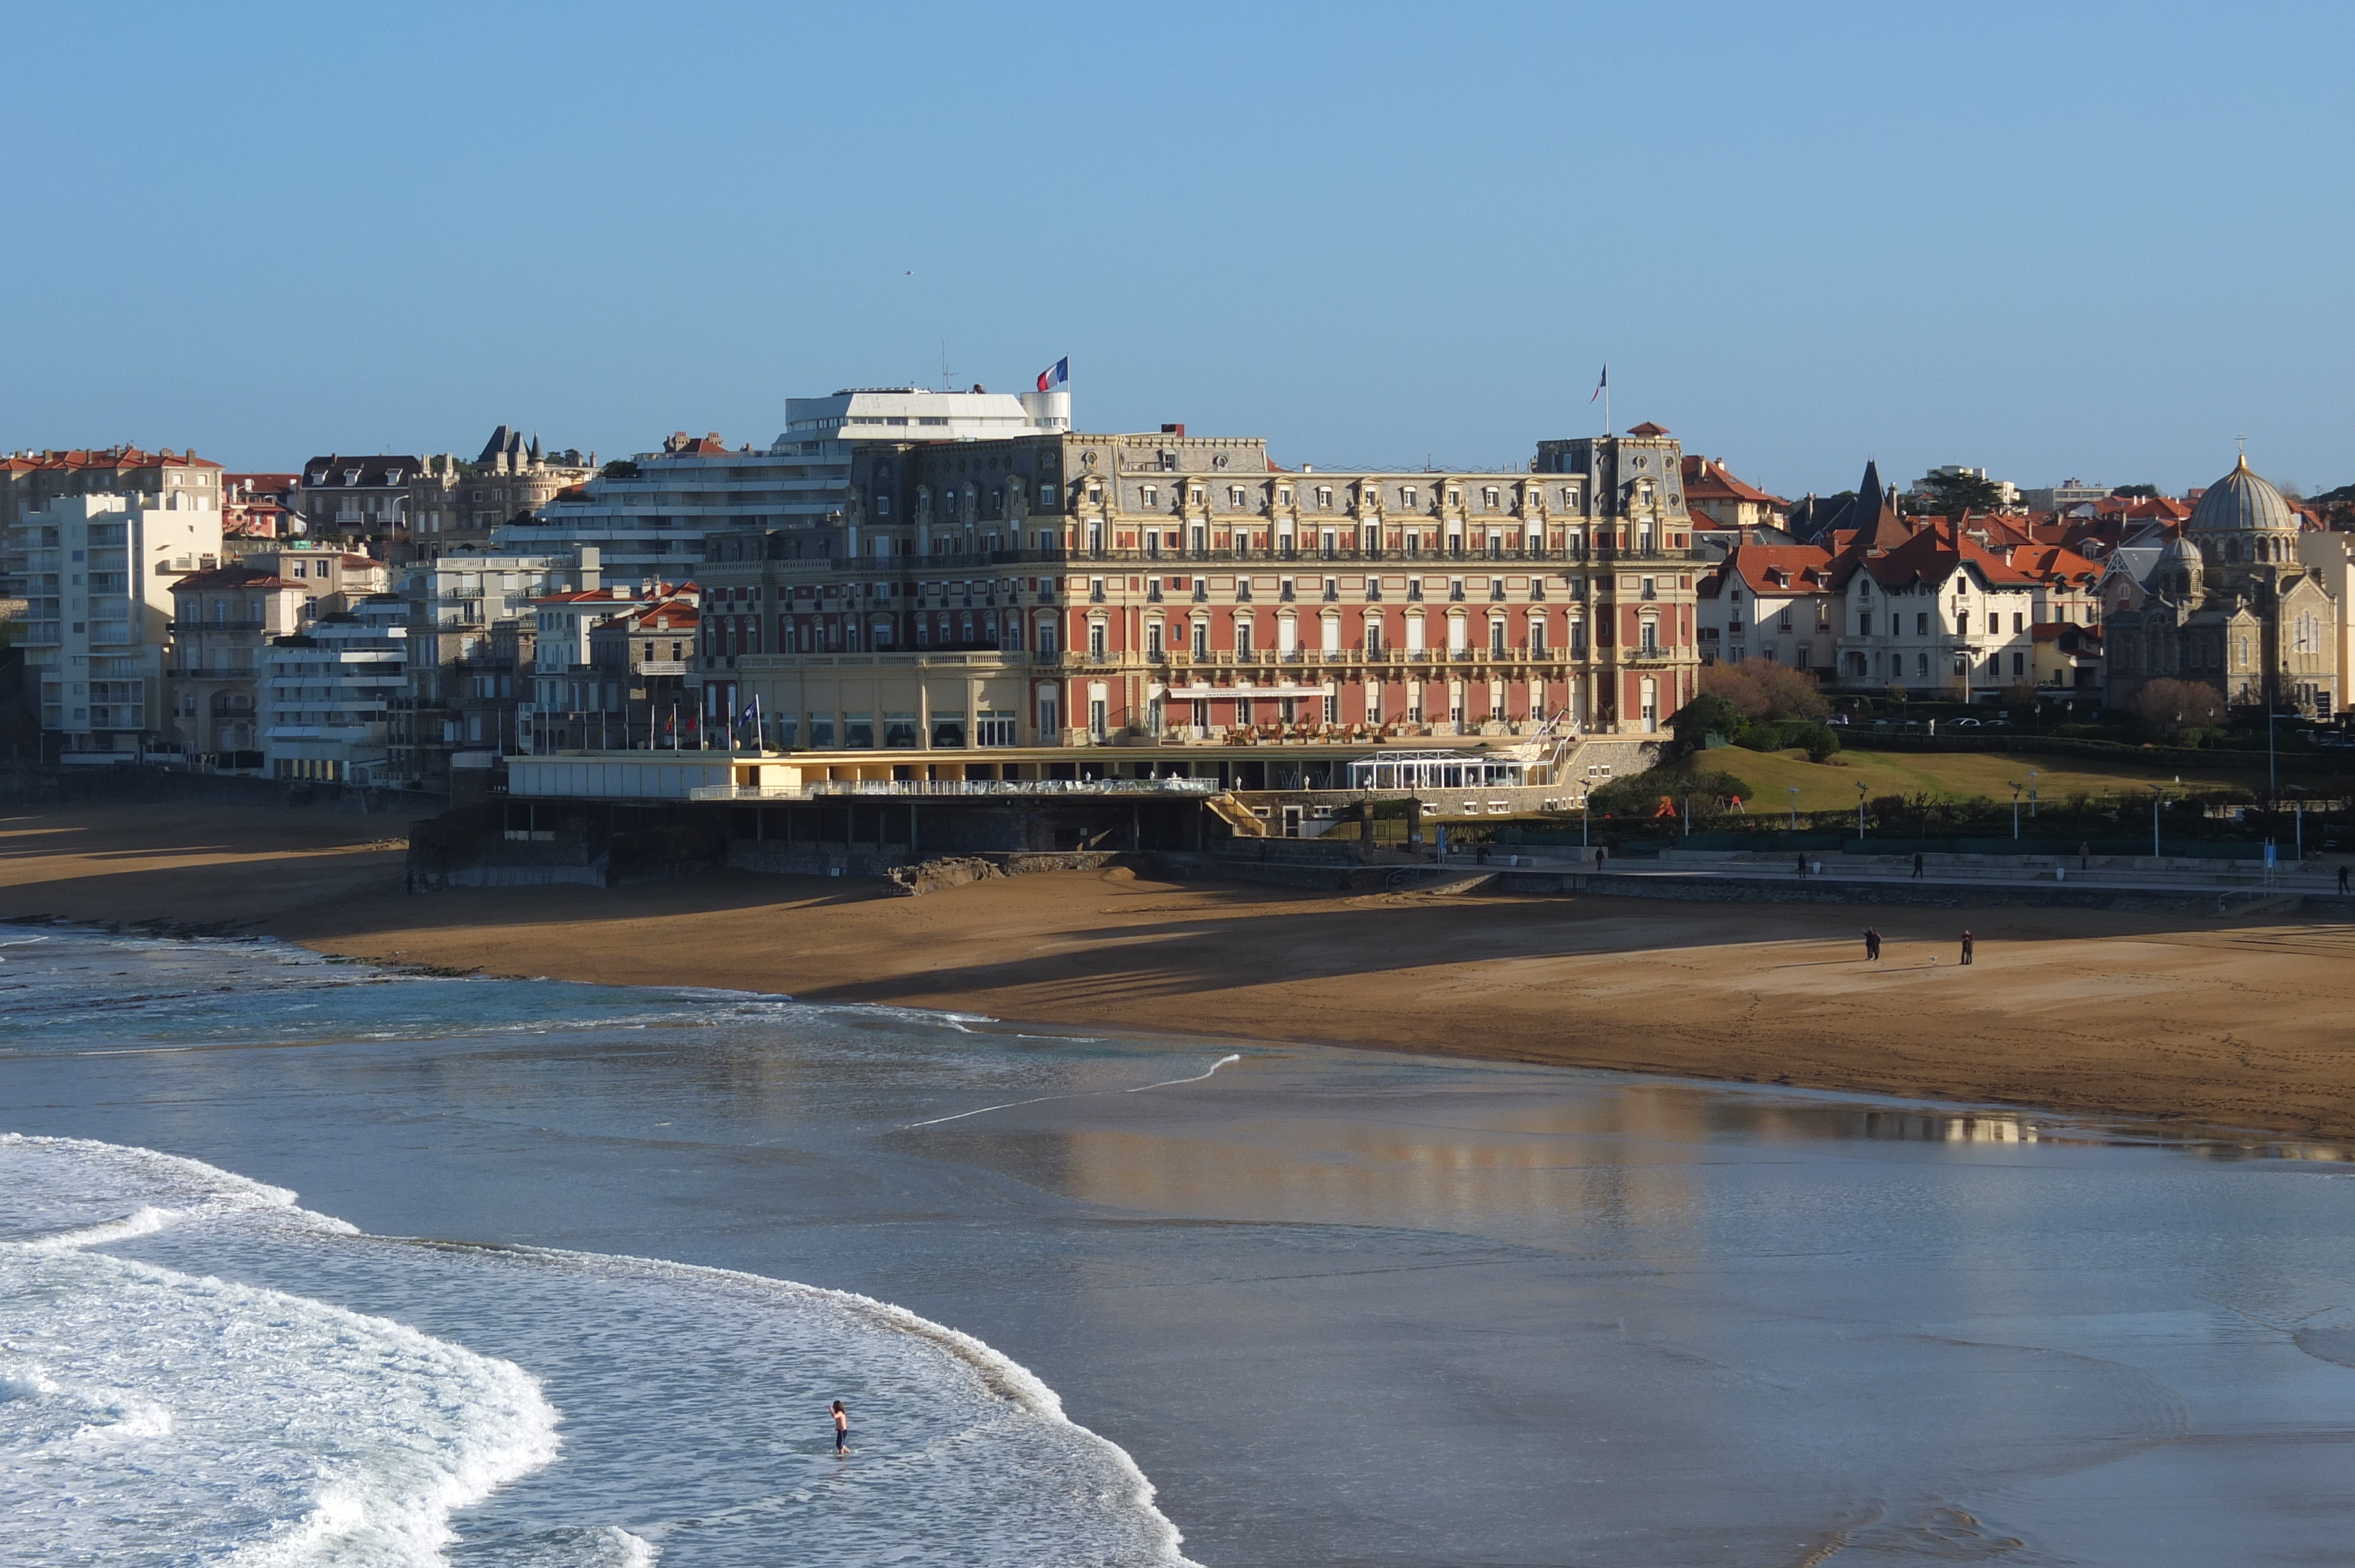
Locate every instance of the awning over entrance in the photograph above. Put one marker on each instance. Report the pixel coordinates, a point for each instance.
(1233, 694)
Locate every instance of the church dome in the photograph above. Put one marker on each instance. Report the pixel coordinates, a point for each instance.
(2241, 503)
(2179, 552)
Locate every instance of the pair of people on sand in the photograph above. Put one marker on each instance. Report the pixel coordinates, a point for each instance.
(1872, 945)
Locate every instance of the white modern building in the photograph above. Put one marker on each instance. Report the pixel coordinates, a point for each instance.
(328, 694)
(472, 630)
(648, 515)
(103, 566)
(2065, 497)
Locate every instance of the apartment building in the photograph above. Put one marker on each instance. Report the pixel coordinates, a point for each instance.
(1074, 590)
(1774, 602)
(648, 515)
(329, 580)
(258, 506)
(1935, 612)
(329, 690)
(458, 505)
(470, 649)
(363, 500)
(640, 660)
(222, 623)
(1721, 501)
(582, 690)
(100, 568)
(30, 481)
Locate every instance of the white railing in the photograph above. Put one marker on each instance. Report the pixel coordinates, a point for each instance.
(923, 788)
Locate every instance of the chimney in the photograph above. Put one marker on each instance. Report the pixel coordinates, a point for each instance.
(1177, 431)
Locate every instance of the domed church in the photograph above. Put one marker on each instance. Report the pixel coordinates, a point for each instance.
(2232, 601)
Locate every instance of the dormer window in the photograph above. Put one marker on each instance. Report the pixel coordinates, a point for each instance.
(1152, 495)
(1284, 495)
(1407, 496)
(1491, 498)
(393, 477)
(1325, 498)
(351, 476)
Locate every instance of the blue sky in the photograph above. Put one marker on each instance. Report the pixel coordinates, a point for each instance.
(2049, 239)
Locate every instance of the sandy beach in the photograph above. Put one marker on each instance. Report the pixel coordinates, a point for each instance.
(2185, 1023)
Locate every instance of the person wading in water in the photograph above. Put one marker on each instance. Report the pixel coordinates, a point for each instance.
(841, 1429)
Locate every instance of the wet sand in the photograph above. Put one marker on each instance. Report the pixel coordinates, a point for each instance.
(2181, 1021)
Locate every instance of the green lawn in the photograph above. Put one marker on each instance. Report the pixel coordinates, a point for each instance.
(1951, 775)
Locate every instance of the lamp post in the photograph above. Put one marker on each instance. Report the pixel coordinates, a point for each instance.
(2015, 807)
(2157, 799)
(1794, 808)
(2032, 792)
(1586, 823)
(1860, 808)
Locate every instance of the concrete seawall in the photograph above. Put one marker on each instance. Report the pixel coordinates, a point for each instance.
(1829, 889)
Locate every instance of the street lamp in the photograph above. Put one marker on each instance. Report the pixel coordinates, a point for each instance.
(1860, 808)
(2157, 799)
(2015, 807)
(1794, 808)
(2032, 791)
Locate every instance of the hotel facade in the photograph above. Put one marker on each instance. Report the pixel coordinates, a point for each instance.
(1164, 590)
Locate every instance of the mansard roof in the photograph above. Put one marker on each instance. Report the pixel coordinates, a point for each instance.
(336, 471)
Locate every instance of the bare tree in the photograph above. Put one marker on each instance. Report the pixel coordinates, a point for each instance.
(2170, 706)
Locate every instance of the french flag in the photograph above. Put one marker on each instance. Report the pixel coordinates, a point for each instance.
(1056, 375)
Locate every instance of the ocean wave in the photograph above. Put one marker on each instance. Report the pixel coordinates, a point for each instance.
(290, 1431)
(160, 1410)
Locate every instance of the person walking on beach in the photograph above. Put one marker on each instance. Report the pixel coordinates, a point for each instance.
(1967, 947)
(841, 1429)
(1871, 946)
(1917, 866)
(2084, 855)
(1598, 859)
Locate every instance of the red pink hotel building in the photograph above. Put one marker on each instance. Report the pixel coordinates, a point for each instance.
(995, 605)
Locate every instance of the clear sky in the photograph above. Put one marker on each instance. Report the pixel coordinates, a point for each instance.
(2050, 240)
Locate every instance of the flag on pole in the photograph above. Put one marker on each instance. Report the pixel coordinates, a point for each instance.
(1600, 385)
(1056, 375)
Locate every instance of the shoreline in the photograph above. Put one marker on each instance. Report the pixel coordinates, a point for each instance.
(2181, 1024)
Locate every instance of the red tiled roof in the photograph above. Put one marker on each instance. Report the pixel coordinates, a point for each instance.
(1805, 568)
(228, 578)
(1647, 429)
(106, 457)
(1932, 553)
(681, 614)
(1709, 480)
(2050, 561)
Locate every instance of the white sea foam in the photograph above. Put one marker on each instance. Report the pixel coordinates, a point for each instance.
(160, 1410)
(143, 1408)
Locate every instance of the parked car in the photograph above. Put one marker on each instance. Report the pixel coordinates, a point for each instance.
(1965, 724)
